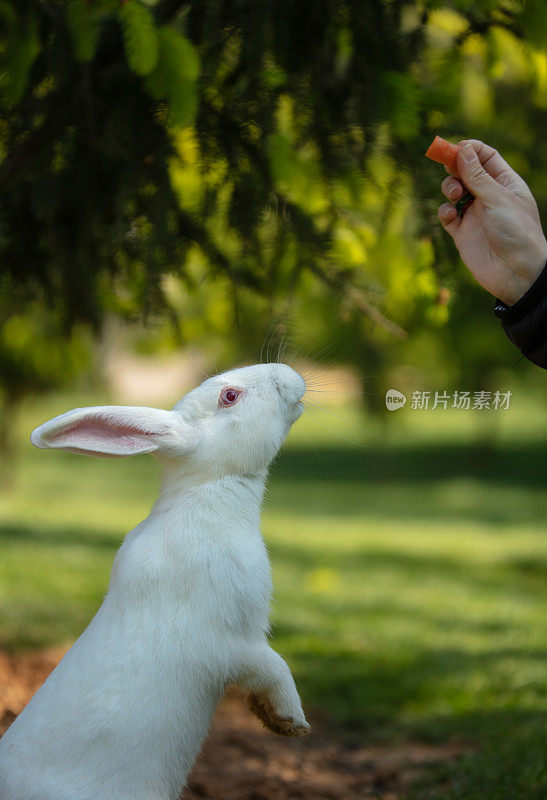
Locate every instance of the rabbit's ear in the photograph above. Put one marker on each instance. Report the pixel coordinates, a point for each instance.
(116, 431)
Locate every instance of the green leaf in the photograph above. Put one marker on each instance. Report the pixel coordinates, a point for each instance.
(534, 21)
(85, 26)
(140, 37)
(7, 13)
(17, 59)
(402, 98)
(175, 76)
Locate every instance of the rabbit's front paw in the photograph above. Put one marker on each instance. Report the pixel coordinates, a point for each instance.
(264, 709)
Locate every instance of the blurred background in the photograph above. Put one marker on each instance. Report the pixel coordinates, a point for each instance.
(186, 186)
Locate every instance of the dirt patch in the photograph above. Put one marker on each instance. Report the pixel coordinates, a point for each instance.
(242, 761)
(20, 677)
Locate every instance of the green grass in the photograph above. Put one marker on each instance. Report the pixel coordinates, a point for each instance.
(410, 576)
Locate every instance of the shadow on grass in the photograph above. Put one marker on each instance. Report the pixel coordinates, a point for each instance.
(373, 695)
(506, 767)
(62, 536)
(516, 573)
(436, 484)
(510, 465)
(60, 582)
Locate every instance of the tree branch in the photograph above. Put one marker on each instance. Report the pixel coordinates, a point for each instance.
(356, 296)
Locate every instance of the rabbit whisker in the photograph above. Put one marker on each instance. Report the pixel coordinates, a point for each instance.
(267, 338)
(336, 433)
(342, 419)
(280, 348)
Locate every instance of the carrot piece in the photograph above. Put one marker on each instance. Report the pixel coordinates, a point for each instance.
(444, 153)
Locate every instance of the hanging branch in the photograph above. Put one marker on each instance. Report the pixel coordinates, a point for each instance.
(341, 283)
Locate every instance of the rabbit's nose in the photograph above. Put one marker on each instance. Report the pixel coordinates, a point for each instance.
(289, 382)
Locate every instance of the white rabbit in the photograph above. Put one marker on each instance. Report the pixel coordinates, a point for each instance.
(124, 714)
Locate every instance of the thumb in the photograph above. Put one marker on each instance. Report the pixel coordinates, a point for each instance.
(475, 177)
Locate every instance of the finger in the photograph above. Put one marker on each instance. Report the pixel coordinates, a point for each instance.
(452, 188)
(493, 163)
(449, 218)
(473, 174)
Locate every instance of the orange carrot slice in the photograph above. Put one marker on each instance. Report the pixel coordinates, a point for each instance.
(444, 153)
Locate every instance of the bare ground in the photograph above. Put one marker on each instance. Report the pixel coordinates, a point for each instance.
(242, 761)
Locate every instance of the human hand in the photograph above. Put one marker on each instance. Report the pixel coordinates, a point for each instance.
(499, 237)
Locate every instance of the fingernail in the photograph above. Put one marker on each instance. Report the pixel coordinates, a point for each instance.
(445, 211)
(468, 152)
(453, 192)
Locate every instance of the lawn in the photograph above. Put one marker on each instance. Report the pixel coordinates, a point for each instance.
(410, 575)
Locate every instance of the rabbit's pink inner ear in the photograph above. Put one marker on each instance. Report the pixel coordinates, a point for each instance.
(103, 435)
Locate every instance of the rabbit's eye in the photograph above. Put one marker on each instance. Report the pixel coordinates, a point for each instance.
(228, 397)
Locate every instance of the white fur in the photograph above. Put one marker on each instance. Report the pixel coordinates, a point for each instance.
(124, 714)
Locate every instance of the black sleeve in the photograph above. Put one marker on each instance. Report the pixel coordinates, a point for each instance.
(525, 323)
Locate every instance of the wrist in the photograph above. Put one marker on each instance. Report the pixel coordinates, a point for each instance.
(536, 293)
(523, 276)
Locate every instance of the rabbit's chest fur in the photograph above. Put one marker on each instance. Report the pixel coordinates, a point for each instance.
(197, 563)
(193, 586)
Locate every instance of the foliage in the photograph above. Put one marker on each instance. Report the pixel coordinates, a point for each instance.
(270, 152)
(37, 353)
